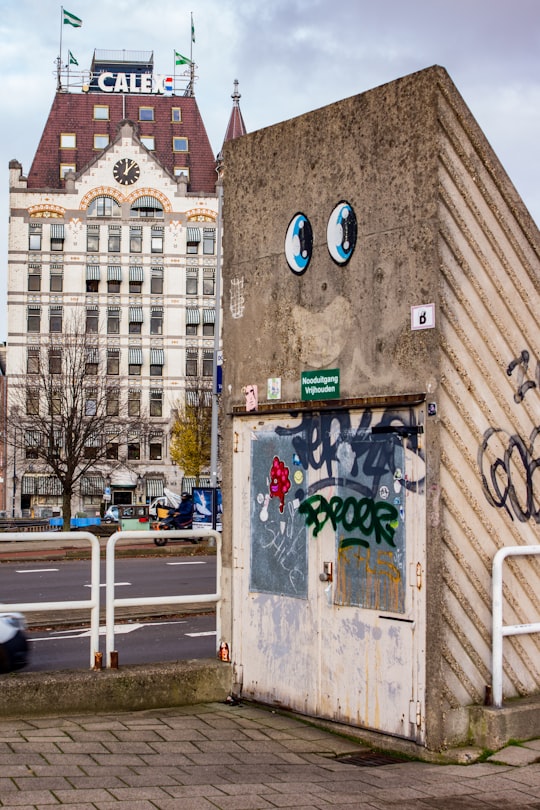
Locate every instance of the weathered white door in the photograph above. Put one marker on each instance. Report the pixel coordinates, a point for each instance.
(329, 545)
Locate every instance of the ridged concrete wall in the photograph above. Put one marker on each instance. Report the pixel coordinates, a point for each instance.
(490, 280)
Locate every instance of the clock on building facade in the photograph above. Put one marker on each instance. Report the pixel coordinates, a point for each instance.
(126, 171)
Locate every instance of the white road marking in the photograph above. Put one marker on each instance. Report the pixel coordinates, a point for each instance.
(190, 562)
(195, 635)
(35, 570)
(104, 584)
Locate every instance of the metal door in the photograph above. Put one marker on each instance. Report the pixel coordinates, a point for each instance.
(329, 528)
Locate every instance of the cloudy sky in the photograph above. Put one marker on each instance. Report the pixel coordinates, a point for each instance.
(290, 56)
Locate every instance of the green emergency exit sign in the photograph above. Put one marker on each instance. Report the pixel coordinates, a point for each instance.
(320, 384)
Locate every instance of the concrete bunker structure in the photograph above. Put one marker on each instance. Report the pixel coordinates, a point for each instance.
(381, 389)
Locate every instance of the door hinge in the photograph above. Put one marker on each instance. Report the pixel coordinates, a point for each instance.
(415, 713)
(416, 576)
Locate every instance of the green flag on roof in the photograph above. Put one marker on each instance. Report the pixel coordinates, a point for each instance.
(71, 59)
(181, 60)
(71, 19)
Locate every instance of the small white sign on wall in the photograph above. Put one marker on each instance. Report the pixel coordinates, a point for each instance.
(423, 316)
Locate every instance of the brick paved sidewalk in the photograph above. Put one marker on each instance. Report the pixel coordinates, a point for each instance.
(236, 758)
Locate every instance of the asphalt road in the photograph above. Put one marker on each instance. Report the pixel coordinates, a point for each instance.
(62, 641)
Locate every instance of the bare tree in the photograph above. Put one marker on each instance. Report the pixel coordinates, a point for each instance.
(191, 432)
(65, 413)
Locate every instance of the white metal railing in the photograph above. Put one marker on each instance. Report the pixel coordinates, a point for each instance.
(112, 602)
(92, 604)
(499, 630)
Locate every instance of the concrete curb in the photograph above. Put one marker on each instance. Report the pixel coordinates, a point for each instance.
(148, 686)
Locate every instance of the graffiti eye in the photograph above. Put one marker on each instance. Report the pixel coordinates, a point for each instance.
(299, 244)
(341, 233)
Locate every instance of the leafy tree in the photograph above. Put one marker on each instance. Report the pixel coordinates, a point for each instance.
(191, 433)
(65, 415)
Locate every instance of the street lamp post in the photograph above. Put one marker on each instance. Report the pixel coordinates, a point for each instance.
(217, 335)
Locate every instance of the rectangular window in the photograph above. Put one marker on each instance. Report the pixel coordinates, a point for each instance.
(92, 361)
(135, 239)
(178, 170)
(134, 402)
(146, 113)
(192, 363)
(32, 361)
(113, 286)
(156, 402)
(92, 320)
(113, 361)
(113, 402)
(156, 240)
(133, 451)
(34, 278)
(55, 361)
(176, 114)
(33, 319)
(55, 403)
(113, 321)
(156, 321)
(155, 448)
(101, 141)
(68, 140)
(208, 363)
(101, 112)
(92, 285)
(112, 449)
(92, 238)
(148, 141)
(90, 403)
(208, 328)
(56, 281)
(32, 402)
(156, 281)
(192, 248)
(57, 238)
(209, 241)
(114, 240)
(180, 144)
(157, 361)
(67, 167)
(209, 285)
(192, 281)
(34, 237)
(55, 319)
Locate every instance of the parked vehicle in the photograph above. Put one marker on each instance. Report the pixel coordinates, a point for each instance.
(13, 642)
(112, 515)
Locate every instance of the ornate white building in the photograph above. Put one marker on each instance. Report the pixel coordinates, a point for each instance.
(115, 227)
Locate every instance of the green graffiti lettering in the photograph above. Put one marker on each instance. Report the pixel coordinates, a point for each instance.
(371, 518)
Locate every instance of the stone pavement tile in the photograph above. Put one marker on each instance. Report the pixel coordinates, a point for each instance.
(190, 803)
(515, 755)
(185, 791)
(509, 798)
(42, 783)
(87, 747)
(89, 796)
(534, 744)
(95, 782)
(200, 775)
(32, 798)
(173, 747)
(245, 802)
(526, 776)
(130, 805)
(150, 792)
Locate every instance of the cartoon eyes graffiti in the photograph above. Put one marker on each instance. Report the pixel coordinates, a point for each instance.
(341, 233)
(299, 243)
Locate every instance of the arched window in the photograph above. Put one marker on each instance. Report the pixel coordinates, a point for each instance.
(146, 207)
(104, 207)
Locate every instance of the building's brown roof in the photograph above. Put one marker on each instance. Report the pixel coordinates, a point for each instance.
(73, 112)
(236, 126)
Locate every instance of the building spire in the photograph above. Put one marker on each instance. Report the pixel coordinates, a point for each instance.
(236, 126)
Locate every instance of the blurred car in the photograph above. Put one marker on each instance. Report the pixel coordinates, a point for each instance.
(13, 642)
(112, 515)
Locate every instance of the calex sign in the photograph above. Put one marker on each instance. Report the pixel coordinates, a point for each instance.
(134, 83)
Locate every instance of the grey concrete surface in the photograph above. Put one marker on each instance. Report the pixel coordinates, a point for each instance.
(234, 757)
